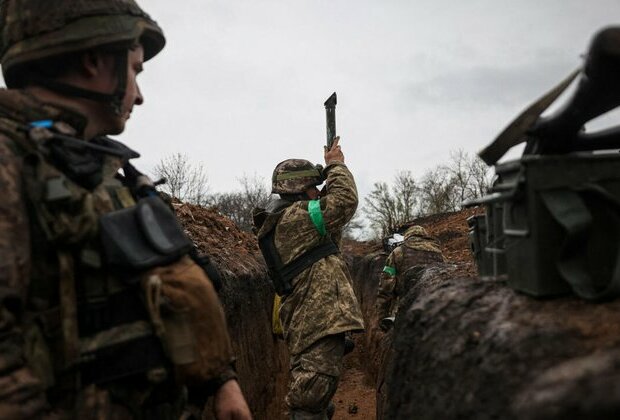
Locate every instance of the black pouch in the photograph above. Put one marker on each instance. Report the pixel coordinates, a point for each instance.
(144, 236)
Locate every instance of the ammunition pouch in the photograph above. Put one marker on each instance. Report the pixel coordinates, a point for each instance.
(560, 220)
(144, 236)
(189, 320)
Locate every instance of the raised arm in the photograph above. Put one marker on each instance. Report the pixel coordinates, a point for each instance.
(340, 202)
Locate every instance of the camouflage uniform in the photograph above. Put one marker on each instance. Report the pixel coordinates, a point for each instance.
(322, 305)
(403, 265)
(77, 338)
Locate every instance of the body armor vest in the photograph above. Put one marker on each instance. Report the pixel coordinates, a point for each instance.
(85, 299)
(282, 274)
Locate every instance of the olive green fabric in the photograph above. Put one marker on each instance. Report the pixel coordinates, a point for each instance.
(323, 301)
(37, 29)
(402, 267)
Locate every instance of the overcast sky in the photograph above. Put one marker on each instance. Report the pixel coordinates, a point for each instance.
(240, 85)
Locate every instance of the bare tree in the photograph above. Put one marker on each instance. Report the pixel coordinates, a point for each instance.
(185, 181)
(437, 192)
(353, 227)
(238, 205)
(445, 187)
(468, 174)
(388, 208)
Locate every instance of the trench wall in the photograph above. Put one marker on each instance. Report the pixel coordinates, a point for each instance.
(247, 297)
(465, 348)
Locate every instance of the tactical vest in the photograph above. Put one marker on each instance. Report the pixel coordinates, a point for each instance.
(88, 319)
(282, 274)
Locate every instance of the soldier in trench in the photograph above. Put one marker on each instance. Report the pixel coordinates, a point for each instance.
(96, 321)
(402, 267)
(299, 236)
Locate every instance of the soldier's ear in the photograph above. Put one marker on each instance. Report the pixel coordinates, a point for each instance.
(95, 64)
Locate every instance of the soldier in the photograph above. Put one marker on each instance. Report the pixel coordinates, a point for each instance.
(103, 314)
(402, 266)
(299, 236)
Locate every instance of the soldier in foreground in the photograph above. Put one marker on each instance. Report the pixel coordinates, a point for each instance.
(403, 265)
(298, 235)
(103, 313)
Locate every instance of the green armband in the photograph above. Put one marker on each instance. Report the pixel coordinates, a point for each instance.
(314, 209)
(389, 270)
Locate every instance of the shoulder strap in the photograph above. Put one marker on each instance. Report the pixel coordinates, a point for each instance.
(283, 274)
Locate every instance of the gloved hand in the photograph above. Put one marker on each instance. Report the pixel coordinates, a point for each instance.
(386, 323)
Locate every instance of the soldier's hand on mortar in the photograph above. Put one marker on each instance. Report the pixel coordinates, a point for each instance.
(335, 153)
(230, 403)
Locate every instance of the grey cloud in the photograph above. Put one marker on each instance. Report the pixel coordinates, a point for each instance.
(484, 85)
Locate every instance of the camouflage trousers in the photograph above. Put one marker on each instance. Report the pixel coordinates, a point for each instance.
(314, 378)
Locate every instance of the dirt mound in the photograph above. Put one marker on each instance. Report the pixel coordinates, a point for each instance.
(233, 250)
(469, 348)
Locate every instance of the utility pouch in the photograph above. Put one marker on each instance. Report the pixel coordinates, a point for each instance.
(144, 236)
(561, 223)
(189, 320)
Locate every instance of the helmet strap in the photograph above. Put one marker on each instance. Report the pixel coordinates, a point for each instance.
(115, 99)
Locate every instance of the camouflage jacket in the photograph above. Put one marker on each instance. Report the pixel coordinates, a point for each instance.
(323, 301)
(43, 243)
(401, 267)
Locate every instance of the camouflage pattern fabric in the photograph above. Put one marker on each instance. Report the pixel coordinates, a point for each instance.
(417, 238)
(30, 325)
(402, 266)
(322, 303)
(294, 176)
(314, 377)
(36, 29)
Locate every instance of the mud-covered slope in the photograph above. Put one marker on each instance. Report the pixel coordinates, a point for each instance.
(247, 296)
(466, 348)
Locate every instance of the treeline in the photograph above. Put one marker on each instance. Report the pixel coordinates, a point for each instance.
(441, 189)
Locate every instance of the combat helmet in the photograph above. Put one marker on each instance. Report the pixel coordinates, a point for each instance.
(415, 230)
(295, 176)
(34, 30)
